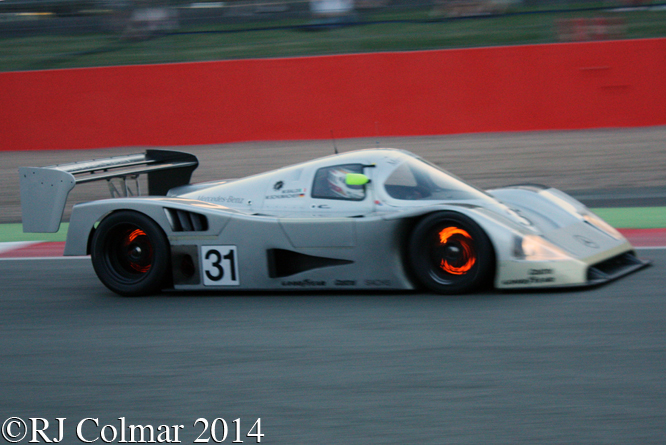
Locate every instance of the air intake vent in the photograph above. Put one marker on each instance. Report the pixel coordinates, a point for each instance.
(614, 268)
(283, 263)
(184, 221)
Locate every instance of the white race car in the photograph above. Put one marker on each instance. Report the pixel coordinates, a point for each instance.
(367, 219)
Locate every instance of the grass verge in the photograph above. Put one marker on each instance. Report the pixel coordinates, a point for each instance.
(410, 30)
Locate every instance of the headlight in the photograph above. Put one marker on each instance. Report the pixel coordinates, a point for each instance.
(535, 248)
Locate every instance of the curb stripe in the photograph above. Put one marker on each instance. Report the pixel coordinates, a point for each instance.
(10, 246)
(34, 249)
(645, 237)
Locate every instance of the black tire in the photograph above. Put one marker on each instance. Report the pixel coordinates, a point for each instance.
(130, 254)
(450, 254)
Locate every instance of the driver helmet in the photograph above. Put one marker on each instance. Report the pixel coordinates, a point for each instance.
(339, 188)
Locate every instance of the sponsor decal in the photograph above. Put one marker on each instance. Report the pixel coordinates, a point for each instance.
(537, 276)
(378, 283)
(530, 280)
(278, 185)
(304, 283)
(221, 199)
(291, 195)
(287, 193)
(586, 242)
(345, 282)
(234, 200)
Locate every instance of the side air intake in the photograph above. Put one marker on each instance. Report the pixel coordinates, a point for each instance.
(184, 221)
(283, 263)
(614, 268)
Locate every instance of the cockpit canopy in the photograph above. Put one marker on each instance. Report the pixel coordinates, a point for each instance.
(418, 180)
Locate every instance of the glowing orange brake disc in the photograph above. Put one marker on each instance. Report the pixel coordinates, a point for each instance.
(467, 250)
(141, 268)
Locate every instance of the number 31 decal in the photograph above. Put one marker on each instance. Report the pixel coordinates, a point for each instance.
(220, 266)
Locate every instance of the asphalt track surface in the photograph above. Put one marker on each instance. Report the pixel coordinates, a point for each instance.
(567, 367)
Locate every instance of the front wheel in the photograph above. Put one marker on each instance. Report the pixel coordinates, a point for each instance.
(450, 254)
(130, 254)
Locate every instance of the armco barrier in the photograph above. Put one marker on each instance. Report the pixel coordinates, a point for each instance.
(517, 88)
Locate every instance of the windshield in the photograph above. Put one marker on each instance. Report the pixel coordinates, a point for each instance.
(415, 180)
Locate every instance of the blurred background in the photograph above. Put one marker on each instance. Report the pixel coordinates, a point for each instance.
(44, 34)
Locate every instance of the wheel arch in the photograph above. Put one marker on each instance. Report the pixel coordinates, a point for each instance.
(484, 222)
(93, 227)
(87, 216)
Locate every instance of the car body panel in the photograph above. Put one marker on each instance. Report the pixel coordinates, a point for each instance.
(280, 229)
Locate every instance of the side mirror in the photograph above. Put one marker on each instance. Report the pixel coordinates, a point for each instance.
(356, 179)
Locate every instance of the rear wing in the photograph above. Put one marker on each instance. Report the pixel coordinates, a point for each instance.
(44, 190)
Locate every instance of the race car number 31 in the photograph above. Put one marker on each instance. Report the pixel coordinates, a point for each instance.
(220, 266)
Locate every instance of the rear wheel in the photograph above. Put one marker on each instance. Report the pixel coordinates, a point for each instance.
(450, 254)
(130, 254)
